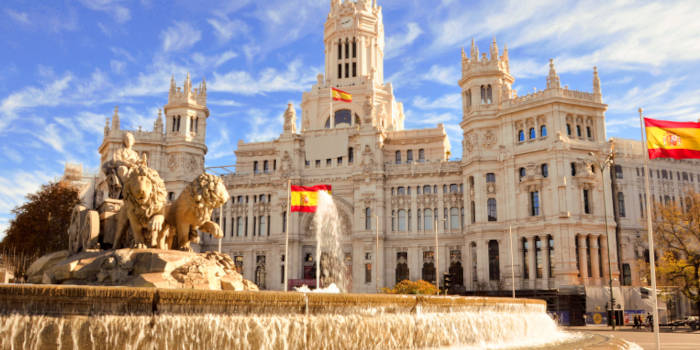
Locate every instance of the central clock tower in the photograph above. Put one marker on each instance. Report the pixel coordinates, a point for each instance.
(354, 62)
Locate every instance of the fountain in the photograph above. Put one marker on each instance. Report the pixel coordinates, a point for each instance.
(87, 297)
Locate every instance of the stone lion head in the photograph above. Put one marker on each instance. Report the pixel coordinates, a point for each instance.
(144, 192)
(208, 192)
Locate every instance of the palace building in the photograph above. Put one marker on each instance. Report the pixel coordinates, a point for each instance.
(526, 178)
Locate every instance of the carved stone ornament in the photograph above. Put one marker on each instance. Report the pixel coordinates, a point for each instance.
(489, 139)
(491, 188)
(172, 162)
(286, 166)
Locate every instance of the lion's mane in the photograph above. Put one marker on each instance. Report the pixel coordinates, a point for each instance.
(152, 205)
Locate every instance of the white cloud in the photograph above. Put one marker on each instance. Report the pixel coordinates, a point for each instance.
(215, 60)
(12, 154)
(21, 17)
(48, 95)
(225, 28)
(180, 36)
(263, 127)
(120, 13)
(228, 103)
(52, 137)
(449, 75)
(396, 43)
(117, 66)
(295, 78)
(14, 187)
(423, 119)
(222, 146)
(449, 101)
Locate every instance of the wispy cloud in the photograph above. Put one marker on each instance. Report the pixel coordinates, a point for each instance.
(15, 186)
(262, 126)
(114, 8)
(294, 78)
(47, 95)
(180, 36)
(395, 44)
(444, 75)
(225, 28)
(449, 101)
(18, 16)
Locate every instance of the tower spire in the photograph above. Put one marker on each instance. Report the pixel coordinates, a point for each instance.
(188, 85)
(505, 58)
(494, 50)
(464, 55)
(474, 54)
(115, 119)
(596, 82)
(552, 78)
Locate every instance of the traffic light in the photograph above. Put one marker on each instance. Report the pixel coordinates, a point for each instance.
(447, 281)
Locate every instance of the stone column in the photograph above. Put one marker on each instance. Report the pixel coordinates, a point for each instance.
(531, 262)
(546, 260)
(595, 260)
(582, 259)
(604, 256)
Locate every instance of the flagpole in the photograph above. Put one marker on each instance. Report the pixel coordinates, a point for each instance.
(331, 122)
(652, 260)
(512, 264)
(286, 237)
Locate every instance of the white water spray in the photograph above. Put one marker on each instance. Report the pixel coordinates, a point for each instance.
(330, 267)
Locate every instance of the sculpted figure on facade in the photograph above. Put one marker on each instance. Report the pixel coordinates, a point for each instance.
(290, 119)
(192, 211)
(143, 209)
(117, 169)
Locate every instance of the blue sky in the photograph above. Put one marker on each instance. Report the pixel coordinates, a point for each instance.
(66, 64)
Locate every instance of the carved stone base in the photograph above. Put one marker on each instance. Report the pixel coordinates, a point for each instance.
(141, 268)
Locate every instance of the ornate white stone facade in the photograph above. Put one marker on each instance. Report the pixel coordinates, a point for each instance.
(525, 166)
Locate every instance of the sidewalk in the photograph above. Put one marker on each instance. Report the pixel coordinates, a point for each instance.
(679, 339)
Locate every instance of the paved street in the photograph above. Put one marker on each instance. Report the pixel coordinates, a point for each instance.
(681, 339)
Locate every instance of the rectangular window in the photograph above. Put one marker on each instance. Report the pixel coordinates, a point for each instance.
(550, 249)
(494, 264)
(491, 209)
(340, 70)
(526, 266)
(409, 156)
(340, 51)
(245, 233)
(354, 69)
(354, 49)
(347, 50)
(329, 162)
(626, 275)
(368, 272)
(368, 218)
(350, 155)
(473, 212)
(318, 163)
(490, 178)
(347, 70)
(586, 202)
(255, 225)
(534, 203)
(538, 258)
(255, 167)
(641, 205)
(339, 161)
(284, 222)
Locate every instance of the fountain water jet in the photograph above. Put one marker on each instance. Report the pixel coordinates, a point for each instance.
(329, 253)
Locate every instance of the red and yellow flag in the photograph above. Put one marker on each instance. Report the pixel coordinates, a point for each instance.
(340, 95)
(678, 140)
(305, 199)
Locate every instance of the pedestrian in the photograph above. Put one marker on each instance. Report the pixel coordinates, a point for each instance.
(650, 321)
(635, 322)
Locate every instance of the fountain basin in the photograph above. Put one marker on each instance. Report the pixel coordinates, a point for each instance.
(49, 316)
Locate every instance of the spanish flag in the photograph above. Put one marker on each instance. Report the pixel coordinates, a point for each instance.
(678, 140)
(340, 95)
(305, 199)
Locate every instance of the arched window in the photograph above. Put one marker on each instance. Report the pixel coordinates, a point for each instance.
(483, 94)
(532, 133)
(621, 204)
(491, 209)
(522, 173)
(409, 156)
(354, 48)
(239, 226)
(343, 118)
(473, 212)
(550, 249)
(266, 167)
(428, 219)
(494, 263)
(543, 130)
(473, 253)
(490, 178)
(398, 157)
(538, 257)
(340, 49)
(521, 136)
(421, 155)
(589, 134)
(489, 95)
(262, 227)
(454, 219)
(426, 189)
(368, 218)
(401, 190)
(402, 220)
(401, 266)
(526, 266)
(578, 130)
(568, 129)
(545, 170)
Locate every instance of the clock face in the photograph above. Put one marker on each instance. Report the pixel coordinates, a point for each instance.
(346, 22)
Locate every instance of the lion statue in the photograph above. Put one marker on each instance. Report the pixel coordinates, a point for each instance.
(192, 209)
(143, 209)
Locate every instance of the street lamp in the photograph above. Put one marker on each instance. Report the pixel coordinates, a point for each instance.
(602, 165)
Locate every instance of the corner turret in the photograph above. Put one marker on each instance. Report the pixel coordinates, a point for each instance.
(485, 81)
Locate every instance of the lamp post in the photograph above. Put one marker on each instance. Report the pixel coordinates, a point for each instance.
(602, 165)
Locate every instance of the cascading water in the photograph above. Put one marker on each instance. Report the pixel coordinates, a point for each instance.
(329, 254)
